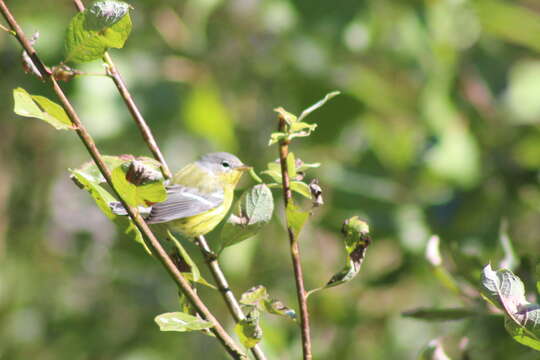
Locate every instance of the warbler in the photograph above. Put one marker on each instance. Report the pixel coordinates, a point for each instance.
(199, 195)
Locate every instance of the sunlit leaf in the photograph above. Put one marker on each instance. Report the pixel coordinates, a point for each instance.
(104, 25)
(506, 291)
(291, 165)
(40, 107)
(317, 105)
(289, 118)
(258, 297)
(252, 211)
(181, 322)
(145, 194)
(357, 240)
(103, 199)
(276, 137)
(273, 170)
(249, 331)
(296, 218)
(301, 188)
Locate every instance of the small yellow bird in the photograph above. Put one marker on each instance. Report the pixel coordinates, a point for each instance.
(200, 195)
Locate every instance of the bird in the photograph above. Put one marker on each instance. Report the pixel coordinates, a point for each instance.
(198, 196)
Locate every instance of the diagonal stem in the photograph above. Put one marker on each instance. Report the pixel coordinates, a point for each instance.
(90, 145)
(294, 248)
(224, 289)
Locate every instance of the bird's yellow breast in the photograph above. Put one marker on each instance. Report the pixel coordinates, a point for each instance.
(205, 222)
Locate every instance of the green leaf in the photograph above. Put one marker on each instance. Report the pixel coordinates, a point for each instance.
(301, 188)
(357, 240)
(102, 199)
(503, 289)
(143, 195)
(317, 105)
(291, 165)
(434, 314)
(506, 291)
(305, 166)
(273, 169)
(194, 270)
(104, 25)
(40, 107)
(522, 334)
(276, 137)
(249, 331)
(289, 118)
(296, 218)
(258, 297)
(194, 273)
(252, 211)
(181, 322)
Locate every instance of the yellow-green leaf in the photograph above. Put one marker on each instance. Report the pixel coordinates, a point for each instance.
(40, 107)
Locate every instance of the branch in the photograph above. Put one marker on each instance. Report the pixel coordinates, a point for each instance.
(217, 273)
(88, 142)
(295, 249)
(146, 133)
(224, 289)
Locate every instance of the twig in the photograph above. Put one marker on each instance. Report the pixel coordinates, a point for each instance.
(2, 27)
(295, 249)
(88, 142)
(146, 133)
(224, 289)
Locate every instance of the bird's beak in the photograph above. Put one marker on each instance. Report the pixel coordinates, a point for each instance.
(243, 168)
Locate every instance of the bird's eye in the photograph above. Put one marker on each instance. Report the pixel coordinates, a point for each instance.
(225, 164)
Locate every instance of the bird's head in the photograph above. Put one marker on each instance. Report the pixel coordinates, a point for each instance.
(227, 166)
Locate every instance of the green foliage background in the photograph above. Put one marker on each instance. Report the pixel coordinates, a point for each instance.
(436, 132)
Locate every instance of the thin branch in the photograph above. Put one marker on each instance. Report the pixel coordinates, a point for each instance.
(146, 133)
(154, 244)
(294, 248)
(224, 289)
(2, 27)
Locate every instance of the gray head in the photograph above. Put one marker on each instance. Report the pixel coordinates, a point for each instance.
(221, 162)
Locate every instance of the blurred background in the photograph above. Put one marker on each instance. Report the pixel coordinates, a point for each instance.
(437, 131)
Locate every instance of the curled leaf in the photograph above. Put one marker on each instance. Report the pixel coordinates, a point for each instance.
(257, 297)
(357, 240)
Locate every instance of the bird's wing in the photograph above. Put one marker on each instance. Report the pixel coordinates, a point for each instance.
(183, 202)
